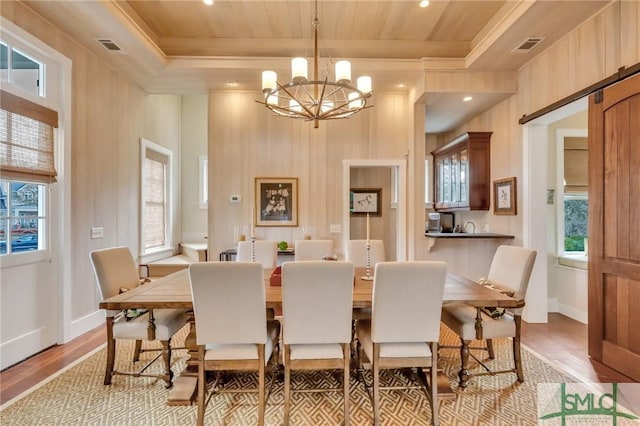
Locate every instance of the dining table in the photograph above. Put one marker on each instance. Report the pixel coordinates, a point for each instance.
(174, 292)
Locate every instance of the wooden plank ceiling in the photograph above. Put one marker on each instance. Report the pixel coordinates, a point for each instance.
(185, 46)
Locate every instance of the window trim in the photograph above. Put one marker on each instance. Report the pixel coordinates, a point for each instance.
(203, 183)
(167, 249)
(428, 182)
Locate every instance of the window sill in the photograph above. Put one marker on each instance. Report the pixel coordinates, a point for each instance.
(157, 254)
(578, 261)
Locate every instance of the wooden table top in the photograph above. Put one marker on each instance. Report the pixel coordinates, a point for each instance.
(173, 291)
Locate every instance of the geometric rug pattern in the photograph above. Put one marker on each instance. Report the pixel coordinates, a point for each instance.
(78, 397)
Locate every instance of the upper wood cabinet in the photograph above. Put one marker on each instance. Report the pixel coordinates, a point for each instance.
(462, 173)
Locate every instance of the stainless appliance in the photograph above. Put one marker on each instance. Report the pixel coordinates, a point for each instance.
(441, 222)
(433, 223)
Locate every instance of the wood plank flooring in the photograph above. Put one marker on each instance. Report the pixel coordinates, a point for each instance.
(562, 340)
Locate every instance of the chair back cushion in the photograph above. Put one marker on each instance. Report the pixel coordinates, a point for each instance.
(511, 268)
(312, 249)
(228, 302)
(115, 269)
(357, 252)
(266, 252)
(317, 301)
(407, 301)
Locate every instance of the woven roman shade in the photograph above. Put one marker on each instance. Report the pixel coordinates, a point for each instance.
(576, 171)
(155, 200)
(26, 140)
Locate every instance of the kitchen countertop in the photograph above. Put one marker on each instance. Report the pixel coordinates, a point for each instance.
(432, 237)
(466, 235)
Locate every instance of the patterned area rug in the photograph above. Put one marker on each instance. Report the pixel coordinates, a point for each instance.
(78, 397)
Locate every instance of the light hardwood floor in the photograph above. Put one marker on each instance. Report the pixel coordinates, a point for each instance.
(562, 341)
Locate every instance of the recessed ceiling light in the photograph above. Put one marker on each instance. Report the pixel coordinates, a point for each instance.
(208, 2)
(402, 85)
(232, 83)
(467, 98)
(424, 3)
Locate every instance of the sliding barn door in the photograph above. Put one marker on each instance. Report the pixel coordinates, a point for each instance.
(614, 226)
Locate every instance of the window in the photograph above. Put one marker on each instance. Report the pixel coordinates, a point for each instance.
(155, 196)
(27, 163)
(22, 216)
(575, 222)
(21, 70)
(572, 187)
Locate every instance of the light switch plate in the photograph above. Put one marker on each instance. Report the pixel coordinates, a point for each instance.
(97, 232)
(235, 198)
(335, 229)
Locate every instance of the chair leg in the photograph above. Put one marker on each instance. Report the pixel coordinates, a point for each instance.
(376, 384)
(111, 352)
(463, 374)
(346, 351)
(201, 387)
(517, 356)
(287, 384)
(435, 420)
(492, 353)
(137, 351)
(166, 358)
(261, 387)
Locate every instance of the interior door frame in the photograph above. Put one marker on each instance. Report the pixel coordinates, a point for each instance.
(536, 145)
(401, 217)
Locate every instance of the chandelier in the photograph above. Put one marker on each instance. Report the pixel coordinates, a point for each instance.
(316, 99)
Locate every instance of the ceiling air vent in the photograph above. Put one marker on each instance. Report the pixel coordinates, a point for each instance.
(109, 45)
(527, 44)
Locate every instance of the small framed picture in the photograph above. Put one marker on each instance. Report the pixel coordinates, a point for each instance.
(276, 201)
(365, 200)
(504, 196)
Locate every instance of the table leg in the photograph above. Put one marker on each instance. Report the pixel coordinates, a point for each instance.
(185, 385)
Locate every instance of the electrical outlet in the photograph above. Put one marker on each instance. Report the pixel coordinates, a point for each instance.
(97, 232)
(235, 198)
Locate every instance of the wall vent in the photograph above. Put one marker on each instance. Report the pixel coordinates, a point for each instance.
(109, 45)
(527, 44)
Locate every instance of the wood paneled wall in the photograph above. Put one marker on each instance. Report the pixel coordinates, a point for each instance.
(247, 141)
(109, 115)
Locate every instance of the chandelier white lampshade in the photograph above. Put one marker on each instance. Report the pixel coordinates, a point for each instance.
(295, 105)
(343, 72)
(316, 98)
(269, 80)
(364, 84)
(272, 100)
(299, 70)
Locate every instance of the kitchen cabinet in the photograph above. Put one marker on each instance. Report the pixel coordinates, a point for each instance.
(462, 173)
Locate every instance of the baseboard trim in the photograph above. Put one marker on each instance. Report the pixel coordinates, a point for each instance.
(85, 324)
(572, 312)
(22, 347)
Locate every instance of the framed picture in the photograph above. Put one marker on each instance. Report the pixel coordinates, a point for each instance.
(365, 200)
(504, 196)
(276, 201)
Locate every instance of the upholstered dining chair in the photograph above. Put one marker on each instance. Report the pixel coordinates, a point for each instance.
(316, 313)
(116, 272)
(509, 272)
(232, 330)
(312, 249)
(266, 252)
(404, 328)
(357, 252)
